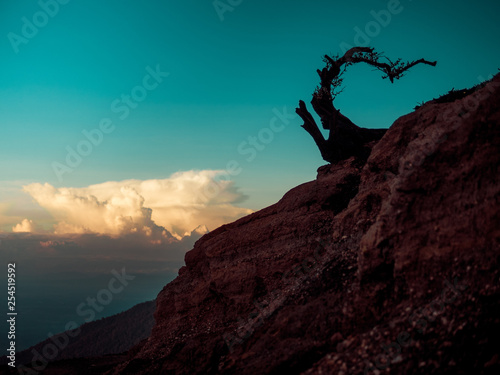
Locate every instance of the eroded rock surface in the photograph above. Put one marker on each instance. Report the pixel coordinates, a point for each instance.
(386, 267)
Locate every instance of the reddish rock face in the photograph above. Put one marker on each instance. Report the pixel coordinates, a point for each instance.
(387, 266)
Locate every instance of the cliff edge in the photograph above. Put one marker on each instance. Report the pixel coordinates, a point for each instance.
(388, 266)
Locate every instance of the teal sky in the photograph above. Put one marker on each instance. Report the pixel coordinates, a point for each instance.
(226, 77)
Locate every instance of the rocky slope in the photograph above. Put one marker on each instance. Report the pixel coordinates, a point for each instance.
(384, 266)
(388, 266)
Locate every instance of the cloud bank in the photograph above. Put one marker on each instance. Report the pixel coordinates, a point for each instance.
(155, 208)
(25, 226)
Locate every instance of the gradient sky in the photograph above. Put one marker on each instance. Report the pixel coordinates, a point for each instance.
(230, 73)
(226, 77)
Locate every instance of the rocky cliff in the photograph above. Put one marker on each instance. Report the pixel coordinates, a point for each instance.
(388, 266)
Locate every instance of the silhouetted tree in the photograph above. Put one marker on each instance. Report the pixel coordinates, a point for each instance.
(345, 138)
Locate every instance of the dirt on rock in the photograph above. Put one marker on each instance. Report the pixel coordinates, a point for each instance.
(388, 266)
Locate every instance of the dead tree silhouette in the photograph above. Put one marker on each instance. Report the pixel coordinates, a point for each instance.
(345, 138)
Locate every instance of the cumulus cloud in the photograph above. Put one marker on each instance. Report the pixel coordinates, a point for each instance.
(155, 208)
(25, 226)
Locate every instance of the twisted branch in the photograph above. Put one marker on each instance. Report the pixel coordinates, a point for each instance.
(345, 138)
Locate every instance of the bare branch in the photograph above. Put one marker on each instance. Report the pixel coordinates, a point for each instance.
(345, 138)
(350, 53)
(312, 128)
(393, 70)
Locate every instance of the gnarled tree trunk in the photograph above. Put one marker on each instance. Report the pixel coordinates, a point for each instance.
(345, 138)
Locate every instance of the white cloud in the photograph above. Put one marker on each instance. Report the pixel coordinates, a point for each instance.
(178, 204)
(16, 206)
(25, 226)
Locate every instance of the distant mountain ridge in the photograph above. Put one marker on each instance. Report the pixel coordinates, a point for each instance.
(111, 335)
